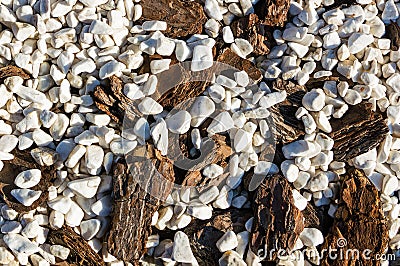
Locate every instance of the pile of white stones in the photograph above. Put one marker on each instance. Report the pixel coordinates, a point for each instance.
(70, 47)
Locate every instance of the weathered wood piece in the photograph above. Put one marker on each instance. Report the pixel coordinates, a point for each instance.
(80, 251)
(183, 18)
(359, 223)
(272, 12)
(23, 161)
(277, 222)
(358, 131)
(287, 127)
(257, 34)
(10, 71)
(133, 206)
(393, 32)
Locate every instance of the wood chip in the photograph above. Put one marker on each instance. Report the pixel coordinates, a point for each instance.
(204, 234)
(272, 12)
(393, 32)
(133, 207)
(230, 58)
(287, 127)
(23, 161)
(359, 220)
(277, 222)
(80, 252)
(183, 18)
(10, 71)
(358, 131)
(257, 34)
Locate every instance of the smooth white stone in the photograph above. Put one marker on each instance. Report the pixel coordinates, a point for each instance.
(211, 8)
(389, 185)
(179, 123)
(314, 100)
(154, 25)
(100, 27)
(202, 57)
(11, 227)
(212, 28)
(308, 15)
(60, 251)
(20, 244)
(149, 107)
(227, 35)
(390, 12)
(209, 195)
(212, 171)
(111, 68)
(358, 41)
(182, 51)
(86, 65)
(222, 122)
(89, 228)
(311, 237)
(61, 204)
(318, 183)
(158, 66)
(296, 148)
(103, 206)
(159, 133)
(242, 140)
(181, 251)
(26, 196)
(299, 201)
(200, 212)
(242, 47)
(28, 178)
(227, 242)
(352, 97)
(31, 229)
(394, 82)
(56, 219)
(294, 34)
(290, 170)
(85, 187)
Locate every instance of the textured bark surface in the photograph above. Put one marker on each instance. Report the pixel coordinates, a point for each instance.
(10, 71)
(112, 101)
(272, 12)
(183, 17)
(230, 58)
(133, 206)
(80, 251)
(277, 222)
(23, 161)
(358, 131)
(287, 128)
(251, 29)
(393, 32)
(359, 220)
(204, 234)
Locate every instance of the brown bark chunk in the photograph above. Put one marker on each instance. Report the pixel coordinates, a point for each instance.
(277, 222)
(359, 220)
(358, 131)
(23, 161)
(10, 71)
(393, 32)
(134, 207)
(80, 252)
(272, 12)
(183, 18)
(251, 29)
(230, 58)
(204, 234)
(287, 127)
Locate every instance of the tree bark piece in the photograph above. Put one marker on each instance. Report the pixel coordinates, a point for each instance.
(204, 234)
(133, 207)
(287, 127)
(251, 29)
(230, 58)
(358, 131)
(23, 161)
(277, 222)
(272, 12)
(10, 71)
(359, 220)
(80, 252)
(393, 32)
(183, 18)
